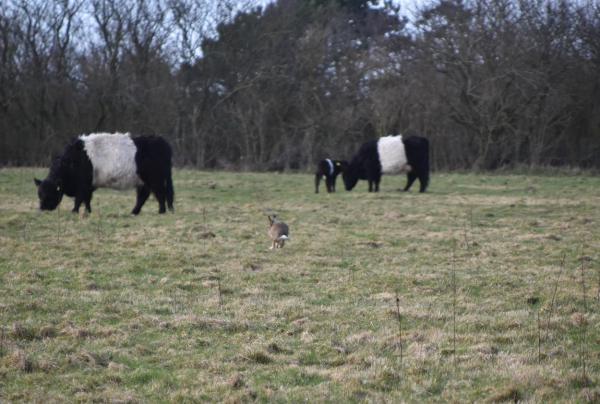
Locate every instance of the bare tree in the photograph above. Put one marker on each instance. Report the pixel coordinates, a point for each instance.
(491, 82)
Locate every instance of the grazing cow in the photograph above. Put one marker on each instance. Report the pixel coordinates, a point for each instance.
(106, 160)
(390, 155)
(329, 169)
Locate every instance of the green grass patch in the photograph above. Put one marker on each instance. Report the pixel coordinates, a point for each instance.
(193, 306)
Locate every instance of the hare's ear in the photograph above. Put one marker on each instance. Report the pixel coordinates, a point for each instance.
(270, 220)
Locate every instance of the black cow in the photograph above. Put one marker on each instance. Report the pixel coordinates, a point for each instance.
(329, 169)
(390, 155)
(106, 160)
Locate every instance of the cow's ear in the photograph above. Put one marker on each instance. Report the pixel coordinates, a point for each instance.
(37, 182)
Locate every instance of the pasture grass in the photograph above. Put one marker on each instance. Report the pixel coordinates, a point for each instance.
(193, 306)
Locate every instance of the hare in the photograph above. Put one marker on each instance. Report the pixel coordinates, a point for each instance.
(278, 232)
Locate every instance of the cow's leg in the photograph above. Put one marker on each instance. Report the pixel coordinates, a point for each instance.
(423, 181)
(88, 202)
(83, 196)
(78, 200)
(161, 196)
(374, 183)
(143, 192)
(333, 178)
(329, 181)
(410, 178)
(317, 180)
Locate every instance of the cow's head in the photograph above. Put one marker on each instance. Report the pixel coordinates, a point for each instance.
(49, 192)
(343, 165)
(350, 177)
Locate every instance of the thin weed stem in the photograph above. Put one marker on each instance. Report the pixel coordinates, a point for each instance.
(399, 317)
(583, 285)
(26, 233)
(220, 291)
(454, 307)
(204, 230)
(539, 327)
(562, 267)
(583, 339)
(598, 295)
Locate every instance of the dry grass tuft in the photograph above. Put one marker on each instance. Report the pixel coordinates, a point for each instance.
(274, 348)
(486, 351)
(258, 357)
(578, 319)
(579, 381)
(89, 359)
(21, 361)
(207, 323)
(590, 395)
(507, 394)
(362, 338)
(116, 367)
(252, 266)
(48, 331)
(76, 332)
(20, 331)
(236, 381)
(46, 365)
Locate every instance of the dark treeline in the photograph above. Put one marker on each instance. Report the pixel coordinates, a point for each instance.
(491, 83)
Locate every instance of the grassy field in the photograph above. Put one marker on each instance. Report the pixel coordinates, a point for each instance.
(193, 306)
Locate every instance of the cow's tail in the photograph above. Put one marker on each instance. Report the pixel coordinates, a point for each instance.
(424, 165)
(170, 191)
